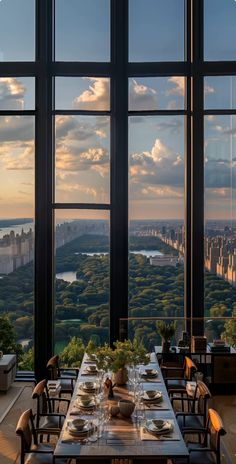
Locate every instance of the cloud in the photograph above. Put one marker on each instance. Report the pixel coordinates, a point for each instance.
(179, 86)
(17, 156)
(16, 128)
(161, 192)
(12, 93)
(97, 97)
(208, 89)
(79, 188)
(159, 166)
(84, 160)
(142, 97)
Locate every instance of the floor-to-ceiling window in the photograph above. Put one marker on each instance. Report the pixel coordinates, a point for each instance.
(117, 121)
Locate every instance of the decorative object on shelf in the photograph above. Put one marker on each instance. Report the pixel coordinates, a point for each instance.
(166, 330)
(116, 360)
(184, 342)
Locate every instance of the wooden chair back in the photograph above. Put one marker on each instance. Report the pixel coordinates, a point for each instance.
(26, 430)
(216, 430)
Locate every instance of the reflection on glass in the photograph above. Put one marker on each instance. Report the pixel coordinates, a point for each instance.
(82, 277)
(220, 92)
(219, 30)
(82, 30)
(157, 93)
(156, 211)
(82, 159)
(220, 223)
(17, 93)
(82, 93)
(17, 229)
(17, 30)
(156, 30)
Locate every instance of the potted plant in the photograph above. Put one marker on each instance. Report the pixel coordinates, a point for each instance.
(116, 360)
(166, 330)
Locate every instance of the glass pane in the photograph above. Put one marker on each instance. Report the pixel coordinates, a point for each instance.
(17, 231)
(156, 30)
(82, 283)
(17, 93)
(82, 30)
(157, 93)
(220, 92)
(146, 329)
(17, 30)
(219, 30)
(82, 159)
(220, 223)
(82, 93)
(156, 212)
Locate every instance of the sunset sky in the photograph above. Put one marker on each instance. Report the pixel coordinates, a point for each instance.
(156, 143)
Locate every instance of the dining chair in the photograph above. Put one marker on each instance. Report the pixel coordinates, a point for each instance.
(33, 452)
(176, 384)
(196, 416)
(46, 417)
(207, 449)
(66, 376)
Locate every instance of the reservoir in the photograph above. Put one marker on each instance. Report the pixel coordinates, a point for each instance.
(70, 276)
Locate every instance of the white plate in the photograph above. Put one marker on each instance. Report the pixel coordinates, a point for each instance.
(159, 426)
(73, 431)
(158, 397)
(88, 406)
(153, 373)
(88, 388)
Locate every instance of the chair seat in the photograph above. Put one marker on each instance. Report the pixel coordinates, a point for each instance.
(191, 422)
(36, 458)
(51, 422)
(66, 385)
(176, 384)
(199, 457)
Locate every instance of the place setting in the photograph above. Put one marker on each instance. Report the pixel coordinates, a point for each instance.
(79, 430)
(87, 387)
(84, 404)
(159, 430)
(90, 369)
(150, 375)
(153, 399)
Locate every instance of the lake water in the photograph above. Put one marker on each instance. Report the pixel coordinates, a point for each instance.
(70, 276)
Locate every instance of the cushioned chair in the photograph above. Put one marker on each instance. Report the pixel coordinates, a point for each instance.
(46, 417)
(207, 449)
(67, 377)
(177, 385)
(33, 452)
(197, 416)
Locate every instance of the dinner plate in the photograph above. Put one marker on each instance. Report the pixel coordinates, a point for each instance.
(158, 426)
(91, 405)
(151, 374)
(80, 433)
(88, 388)
(157, 396)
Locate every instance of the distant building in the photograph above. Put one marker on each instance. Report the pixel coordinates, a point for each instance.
(165, 260)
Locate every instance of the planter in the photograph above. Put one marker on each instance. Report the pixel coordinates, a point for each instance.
(121, 376)
(165, 346)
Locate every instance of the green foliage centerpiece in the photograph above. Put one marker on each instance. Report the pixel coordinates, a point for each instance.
(167, 331)
(116, 360)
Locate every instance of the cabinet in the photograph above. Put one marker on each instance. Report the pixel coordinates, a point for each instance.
(7, 371)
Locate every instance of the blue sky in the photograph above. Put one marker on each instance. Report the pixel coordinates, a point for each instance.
(156, 144)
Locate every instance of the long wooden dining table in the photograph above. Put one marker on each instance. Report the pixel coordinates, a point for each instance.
(123, 438)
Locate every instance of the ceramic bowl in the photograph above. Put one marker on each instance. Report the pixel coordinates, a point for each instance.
(85, 400)
(126, 407)
(78, 424)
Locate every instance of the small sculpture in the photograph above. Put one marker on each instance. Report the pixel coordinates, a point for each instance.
(109, 386)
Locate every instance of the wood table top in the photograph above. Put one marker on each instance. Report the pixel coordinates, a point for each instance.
(124, 437)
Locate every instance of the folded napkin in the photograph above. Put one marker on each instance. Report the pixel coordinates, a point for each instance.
(150, 379)
(68, 438)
